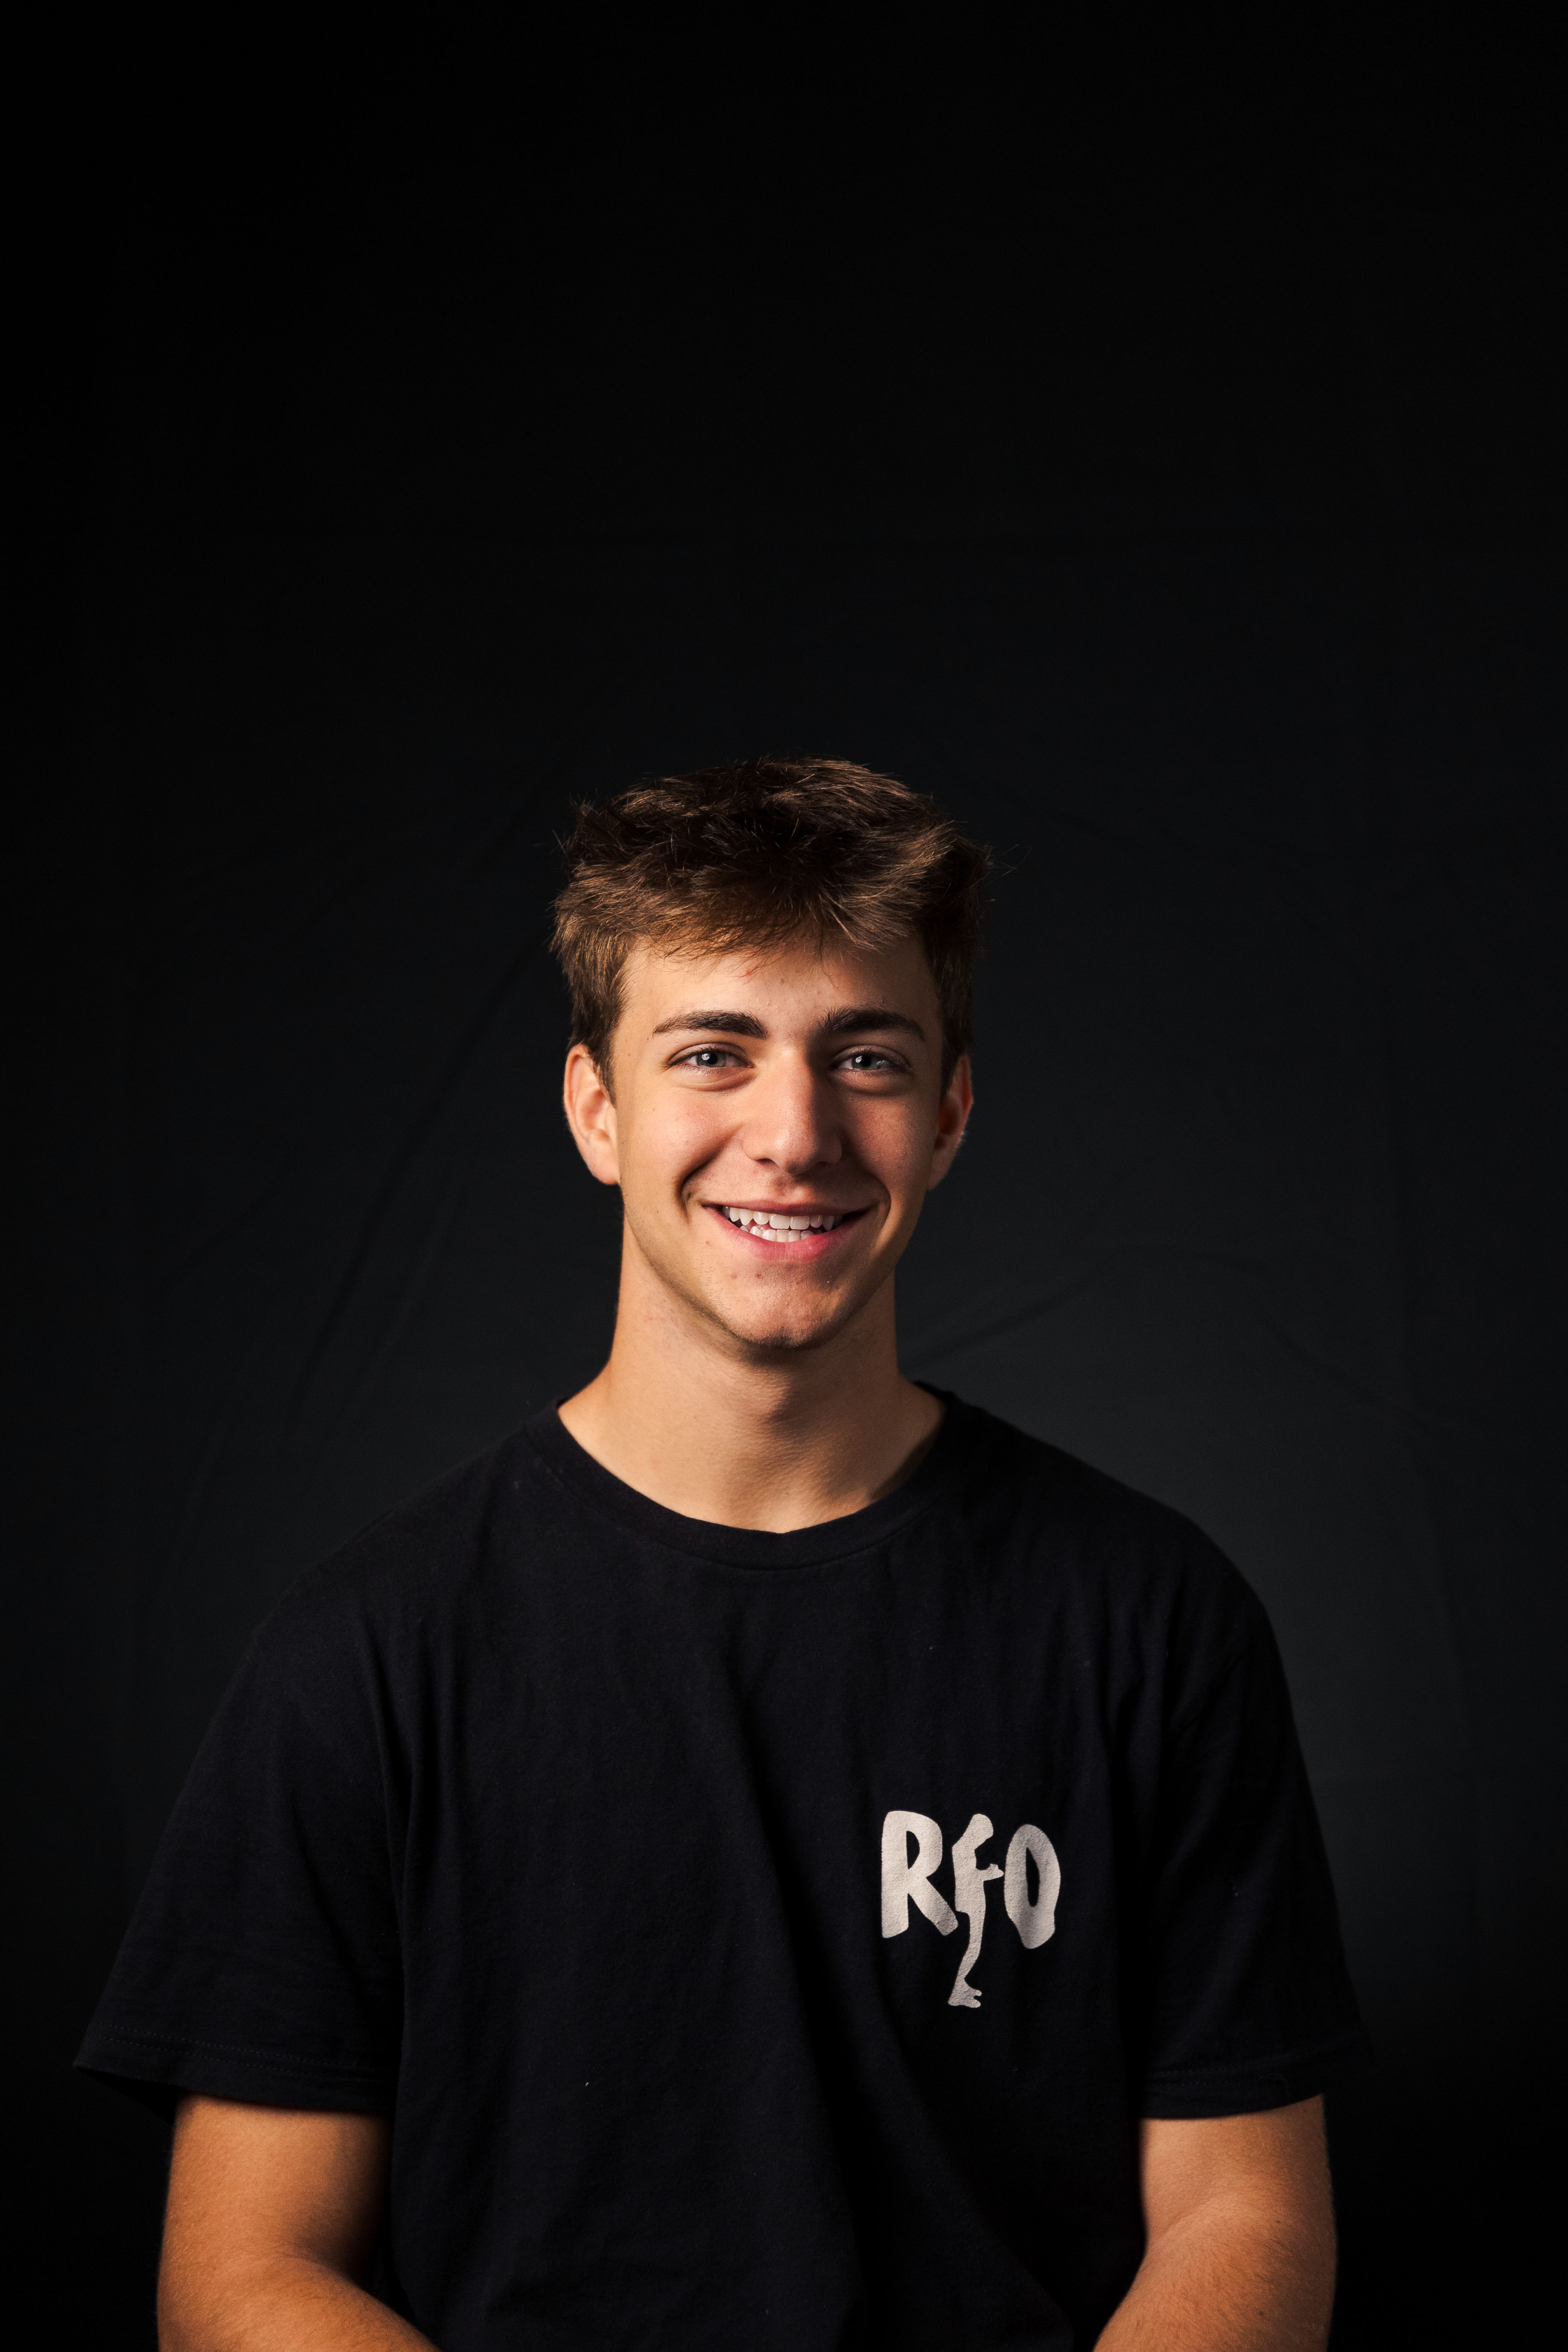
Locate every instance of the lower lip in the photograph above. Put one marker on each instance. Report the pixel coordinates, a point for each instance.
(801, 1248)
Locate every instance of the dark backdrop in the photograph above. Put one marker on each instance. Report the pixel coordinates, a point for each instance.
(1161, 468)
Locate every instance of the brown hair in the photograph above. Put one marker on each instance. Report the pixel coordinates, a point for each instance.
(758, 853)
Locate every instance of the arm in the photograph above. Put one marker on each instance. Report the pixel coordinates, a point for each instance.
(1241, 2237)
(272, 2212)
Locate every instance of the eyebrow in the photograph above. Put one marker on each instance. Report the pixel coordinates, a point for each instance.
(872, 1017)
(853, 1020)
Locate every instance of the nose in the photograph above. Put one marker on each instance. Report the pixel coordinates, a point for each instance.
(791, 1121)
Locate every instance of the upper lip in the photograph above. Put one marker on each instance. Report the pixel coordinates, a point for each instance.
(787, 1208)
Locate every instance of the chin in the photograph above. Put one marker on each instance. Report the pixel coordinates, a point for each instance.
(771, 1337)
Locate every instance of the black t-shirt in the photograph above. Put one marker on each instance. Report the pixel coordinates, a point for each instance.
(763, 1940)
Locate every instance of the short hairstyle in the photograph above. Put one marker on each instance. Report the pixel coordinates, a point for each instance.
(758, 853)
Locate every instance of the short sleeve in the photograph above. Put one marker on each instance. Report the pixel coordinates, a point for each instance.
(1247, 2003)
(262, 1961)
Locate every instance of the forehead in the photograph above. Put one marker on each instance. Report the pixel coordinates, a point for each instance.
(793, 987)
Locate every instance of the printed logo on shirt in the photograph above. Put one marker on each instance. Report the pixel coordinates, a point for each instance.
(907, 1879)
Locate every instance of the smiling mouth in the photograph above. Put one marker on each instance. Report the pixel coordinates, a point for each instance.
(776, 1226)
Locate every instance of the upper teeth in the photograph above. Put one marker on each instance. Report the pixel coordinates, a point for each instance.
(767, 1227)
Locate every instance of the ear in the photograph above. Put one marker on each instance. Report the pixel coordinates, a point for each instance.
(591, 1115)
(951, 1118)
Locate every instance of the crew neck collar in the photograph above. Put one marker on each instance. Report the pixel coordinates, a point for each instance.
(857, 1531)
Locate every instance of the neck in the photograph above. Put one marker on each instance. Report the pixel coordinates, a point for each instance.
(752, 1437)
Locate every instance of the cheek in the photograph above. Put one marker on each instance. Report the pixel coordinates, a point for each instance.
(683, 1135)
(894, 1141)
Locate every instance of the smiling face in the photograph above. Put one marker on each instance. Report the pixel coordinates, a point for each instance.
(777, 1123)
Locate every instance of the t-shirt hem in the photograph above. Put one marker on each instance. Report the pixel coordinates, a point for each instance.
(158, 2069)
(1181, 2094)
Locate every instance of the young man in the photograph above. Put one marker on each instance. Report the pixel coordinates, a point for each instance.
(770, 1856)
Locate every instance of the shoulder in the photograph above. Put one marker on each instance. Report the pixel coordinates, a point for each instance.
(1122, 1553)
(422, 1565)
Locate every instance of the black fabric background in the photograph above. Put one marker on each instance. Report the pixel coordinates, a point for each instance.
(1163, 466)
